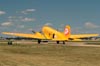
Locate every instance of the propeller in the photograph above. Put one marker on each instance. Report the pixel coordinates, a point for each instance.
(33, 31)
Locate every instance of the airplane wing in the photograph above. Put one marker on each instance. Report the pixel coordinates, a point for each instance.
(83, 36)
(36, 35)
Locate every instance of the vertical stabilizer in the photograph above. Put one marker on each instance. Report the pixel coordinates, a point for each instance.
(67, 31)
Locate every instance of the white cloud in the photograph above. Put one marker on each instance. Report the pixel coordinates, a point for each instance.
(27, 19)
(49, 24)
(28, 11)
(2, 12)
(20, 18)
(12, 17)
(6, 24)
(30, 29)
(20, 26)
(91, 25)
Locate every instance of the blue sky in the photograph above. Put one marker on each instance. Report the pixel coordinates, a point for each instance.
(26, 15)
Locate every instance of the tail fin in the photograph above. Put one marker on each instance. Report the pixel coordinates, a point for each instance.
(67, 31)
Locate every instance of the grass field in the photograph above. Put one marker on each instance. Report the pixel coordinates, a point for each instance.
(48, 55)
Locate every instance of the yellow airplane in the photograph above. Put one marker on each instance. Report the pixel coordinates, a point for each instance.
(48, 33)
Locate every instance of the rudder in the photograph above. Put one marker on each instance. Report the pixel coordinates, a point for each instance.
(67, 31)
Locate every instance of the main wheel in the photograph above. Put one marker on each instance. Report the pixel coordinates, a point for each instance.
(57, 42)
(63, 42)
(39, 41)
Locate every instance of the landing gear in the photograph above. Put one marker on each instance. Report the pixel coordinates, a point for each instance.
(57, 42)
(63, 42)
(39, 41)
(9, 42)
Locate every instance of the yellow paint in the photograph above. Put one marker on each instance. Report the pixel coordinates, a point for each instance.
(52, 34)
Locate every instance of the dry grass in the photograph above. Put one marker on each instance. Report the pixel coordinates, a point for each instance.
(48, 55)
